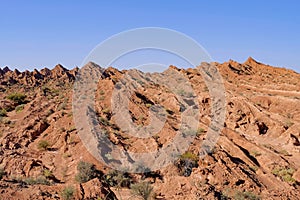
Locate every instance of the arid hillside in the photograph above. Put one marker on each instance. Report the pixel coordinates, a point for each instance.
(257, 155)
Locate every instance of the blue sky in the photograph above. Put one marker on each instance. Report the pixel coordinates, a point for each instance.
(36, 34)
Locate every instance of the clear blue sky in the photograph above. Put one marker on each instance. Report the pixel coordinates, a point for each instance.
(35, 34)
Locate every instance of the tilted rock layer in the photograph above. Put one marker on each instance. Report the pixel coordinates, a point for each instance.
(257, 154)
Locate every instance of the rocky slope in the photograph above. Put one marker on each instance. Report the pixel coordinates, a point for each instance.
(257, 155)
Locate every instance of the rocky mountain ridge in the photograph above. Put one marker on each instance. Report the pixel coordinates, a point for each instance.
(257, 155)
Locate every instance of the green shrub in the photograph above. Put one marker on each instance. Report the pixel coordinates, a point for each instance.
(101, 92)
(288, 124)
(245, 196)
(19, 108)
(106, 111)
(43, 145)
(86, 172)
(3, 113)
(47, 173)
(187, 162)
(104, 121)
(148, 105)
(285, 174)
(37, 181)
(200, 131)
(18, 98)
(62, 106)
(117, 178)
(190, 156)
(67, 193)
(143, 190)
(255, 153)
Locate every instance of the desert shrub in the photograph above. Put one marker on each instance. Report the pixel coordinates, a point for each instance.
(143, 189)
(285, 174)
(255, 153)
(19, 108)
(102, 92)
(189, 156)
(187, 162)
(86, 172)
(200, 131)
(189, 133)
(284, 152)
(2, 172)
(67, 193)
(106, 111)
(288, 124)
(18, 98)
(117, 178)
(3, 113)
(43, 145)
(148, 105)
(62, 106)
(45, 90)
(47, 173)
(246, 196)
(37, 181)
(104, 121)
(73, 128)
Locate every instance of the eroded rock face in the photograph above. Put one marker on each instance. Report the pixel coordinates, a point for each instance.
(258, 152)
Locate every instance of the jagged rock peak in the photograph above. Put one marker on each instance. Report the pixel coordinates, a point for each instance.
(59, 68)
(17, 72)
(92, 64)
(6, 69)
(45, 71)
(35, 71)
(251, 60)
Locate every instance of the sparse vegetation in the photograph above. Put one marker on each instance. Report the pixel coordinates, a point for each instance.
(73, 128)
(148, 105)
(101, 98)
(284, 152)
(181, 92)
(189, 133)
(117, 178)
(106, 111)
(47, 173)
(67, 155)
(37, 181)
(3, 113)
(19, 108)
(101, 92)
(50, 112)
(62, 106)
(18, 98)
(288, 124)
(143, 189)
(187, 162)
(86, 172)
(104, 121)
(68, 193)
(43, 145)
(253, 168)
(285, 174)
(200, 131)
(245, 196)
(255, 153)
(72, 140)
(189, 156)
